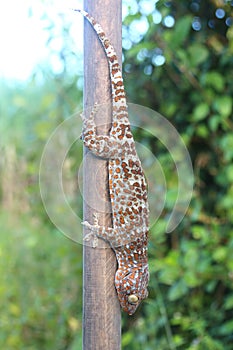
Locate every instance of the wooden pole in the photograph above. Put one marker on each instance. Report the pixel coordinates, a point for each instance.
(101, 310)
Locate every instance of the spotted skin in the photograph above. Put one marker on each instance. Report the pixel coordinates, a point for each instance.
(128, 191)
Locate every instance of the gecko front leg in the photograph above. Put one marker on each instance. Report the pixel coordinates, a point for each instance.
(116, 237)
(103, 146)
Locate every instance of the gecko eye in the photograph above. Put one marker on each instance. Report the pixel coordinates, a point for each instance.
(133, 299)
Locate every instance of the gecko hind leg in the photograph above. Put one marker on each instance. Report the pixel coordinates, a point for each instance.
(97, 231)
(92, 235)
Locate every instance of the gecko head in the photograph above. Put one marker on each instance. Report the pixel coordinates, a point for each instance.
(131, 285)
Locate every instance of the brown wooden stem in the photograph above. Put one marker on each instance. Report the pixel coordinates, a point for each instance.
(101, 310)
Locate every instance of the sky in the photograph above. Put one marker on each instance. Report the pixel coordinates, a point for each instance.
(22, 37)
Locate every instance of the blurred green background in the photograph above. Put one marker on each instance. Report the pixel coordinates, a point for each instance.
(178, 60)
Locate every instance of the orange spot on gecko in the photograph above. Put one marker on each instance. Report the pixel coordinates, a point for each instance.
(122, 220)
(118, 98)
(113, 58)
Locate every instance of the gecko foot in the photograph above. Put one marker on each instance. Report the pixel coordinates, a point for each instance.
(90, 236)
(88, 122)
(92, 114)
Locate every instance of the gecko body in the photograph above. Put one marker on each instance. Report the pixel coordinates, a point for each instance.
(128, 236)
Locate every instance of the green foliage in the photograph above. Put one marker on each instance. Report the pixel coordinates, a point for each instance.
(40, 286)
(190, 306)
(41, 270)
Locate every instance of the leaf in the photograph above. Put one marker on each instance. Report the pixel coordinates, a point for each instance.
(182, 55)
(226, 328)
(201, 112)
(220, 254)
(229, 34)
(229, 173)
(199, 232)
(215, 80)
(191, 279)
(191, 258)
(202, 131)
(228, 304)
(214, 122)
(181, 30)
(223, 105)
(198, 54)
(226, 144)
(177, 290)
(127, 338)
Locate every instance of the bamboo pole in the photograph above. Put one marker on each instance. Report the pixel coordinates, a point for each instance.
(101, 310)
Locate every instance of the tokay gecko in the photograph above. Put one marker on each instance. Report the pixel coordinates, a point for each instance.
(128, 235)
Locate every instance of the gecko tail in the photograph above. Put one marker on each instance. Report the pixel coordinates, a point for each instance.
(84, 13)
(118, 90)
(109, 49)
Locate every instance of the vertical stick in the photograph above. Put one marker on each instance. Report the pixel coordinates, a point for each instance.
(101, 310)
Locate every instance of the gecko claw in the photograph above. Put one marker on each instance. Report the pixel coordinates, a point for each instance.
(86, 224)
(96, 219)
(93, 237)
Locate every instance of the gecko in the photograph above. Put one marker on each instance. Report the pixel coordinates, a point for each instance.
(128, 236)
